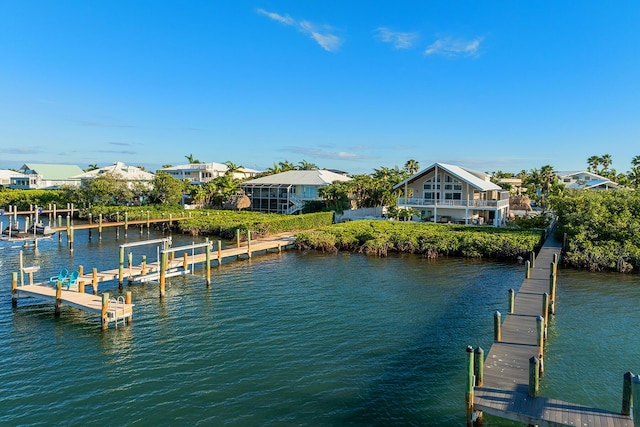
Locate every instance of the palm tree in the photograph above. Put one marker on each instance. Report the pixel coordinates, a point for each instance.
(91, 167)
(286, 166)
(306, 166)
(411, 166)
(635, 161)
(232, 168)
(191, 159)
(606, 161)
(593, 163)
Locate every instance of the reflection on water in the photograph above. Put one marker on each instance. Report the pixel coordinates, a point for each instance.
(299, 338)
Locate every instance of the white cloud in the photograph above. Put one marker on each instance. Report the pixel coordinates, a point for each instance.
(451, 47)
(397, 39)
(286, 19)
(324, 154)
(323, 36)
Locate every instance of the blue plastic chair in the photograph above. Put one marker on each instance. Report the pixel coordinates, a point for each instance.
(72, 280)
(64, 274)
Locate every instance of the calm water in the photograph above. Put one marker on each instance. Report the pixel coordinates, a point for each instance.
(301, 338)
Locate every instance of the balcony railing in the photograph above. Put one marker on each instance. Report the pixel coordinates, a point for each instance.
(413, 202)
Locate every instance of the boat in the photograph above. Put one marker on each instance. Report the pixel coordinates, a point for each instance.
(36, 231)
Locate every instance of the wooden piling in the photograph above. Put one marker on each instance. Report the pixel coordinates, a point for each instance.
(511, 300)
(534, 377)
(249, 243)
(540, 332)
(635, 393)
(121, 268)
(208, 264)
(185, 264)
(21, 265)
(144, 265)
(532, 258)
(527, 266)
(497, 327)
(105, 311)
(545, 312)
(163, 273)
(94, 281)
(14, 289)
(470, 382)
(100, 227)
(479, 366)
(552, 293)
(219, 253)
(71, 239)
(238, 237)
(127, 300)
(126, 223)
(626, 393)
(80, 282)
(58, 298)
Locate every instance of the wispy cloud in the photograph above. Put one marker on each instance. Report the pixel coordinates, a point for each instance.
(125, 144)
(323, 35)
(117, 151)
(398, 39)
(448, 46)
(101, 124)
(323, 154)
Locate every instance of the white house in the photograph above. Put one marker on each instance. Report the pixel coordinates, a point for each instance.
(449, 193)
(199, 173)
(44, 176)
(6, 175)
(130, 174)
(288, 191)
(586, 180)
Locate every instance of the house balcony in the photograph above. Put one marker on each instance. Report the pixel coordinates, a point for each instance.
(462, 204)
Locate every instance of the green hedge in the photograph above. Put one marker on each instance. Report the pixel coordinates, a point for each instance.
(428, 239)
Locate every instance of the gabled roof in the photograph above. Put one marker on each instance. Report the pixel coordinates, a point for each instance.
(7, 173)
(211, 166)
(594, 180)
(565, 174)
(130, 173)
(476, 179)
(299, 177)
(53, 172)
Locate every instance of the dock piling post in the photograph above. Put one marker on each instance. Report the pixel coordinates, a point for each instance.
(470, 382)
(185, 263)
(552, 293)
(100, 227)
(545, 312)
(21, 264)
(626, 393)
(497, 327)
(249, 243)
(105, 311)
(117, 226)
(14, 289)
(126, 223)
(80, 282)
(534, 376)
(532, 258)
(527, 266)
(121, 268)
(94, 281)
(58, 298)
(163, 273)
(479, 366)
(511, 300)
(208, 261)
(238, 237)
(143, 271)
(127, 300)
(219, 253)
(90, 222)
(540, 331)
(71, 239)
(635, 393)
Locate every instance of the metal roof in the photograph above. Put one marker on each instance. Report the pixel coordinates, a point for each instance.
(299, 177)
(53, 172)
(474, 178)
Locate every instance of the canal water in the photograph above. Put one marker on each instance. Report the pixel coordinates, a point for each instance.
(298, 338)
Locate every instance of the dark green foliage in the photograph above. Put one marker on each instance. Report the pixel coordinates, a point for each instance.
(25, 198)
(427, 239)
(603, 229)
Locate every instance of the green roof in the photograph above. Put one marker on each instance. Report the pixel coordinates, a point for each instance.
(53, 172)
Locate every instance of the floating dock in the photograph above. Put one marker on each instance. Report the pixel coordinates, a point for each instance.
(505, 387)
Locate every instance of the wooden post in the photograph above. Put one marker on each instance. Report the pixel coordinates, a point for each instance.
(497, 327)
(163, 273)
(21, 261)
(249, 243)
(100, 227)
(511, 300)
(470, 382)
(527, 266)
(170, 220)
(80, 282)
(208, 266)
(71, 239)
(238, 237)
(127, 300)
(58, 298)
(540, 332)
(635, 393)
(552, 293)
(545, 312)
(121, 268)
(626, 393)
(90, 223)
(479, 366)
(94, 281)
(126, 223)
(532, 258)
(143, 271)
(219, 253)
(534, 377)
(105, 311)
(14, 289)
(148, 223)
(185, 264)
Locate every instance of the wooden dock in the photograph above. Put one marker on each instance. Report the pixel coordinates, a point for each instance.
(505, 389)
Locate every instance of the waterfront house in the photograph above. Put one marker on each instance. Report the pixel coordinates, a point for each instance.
(586, 180)
(6, 175)
(449, 193)
(46, 176)
(287, 192)
(122, 172)
(199, 173)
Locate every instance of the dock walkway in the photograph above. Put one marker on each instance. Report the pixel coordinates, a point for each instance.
(504, 392)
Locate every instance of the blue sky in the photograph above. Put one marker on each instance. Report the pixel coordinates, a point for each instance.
(351, 85)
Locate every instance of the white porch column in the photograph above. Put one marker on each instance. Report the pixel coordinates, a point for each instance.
(466, 211)
(436, 194)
